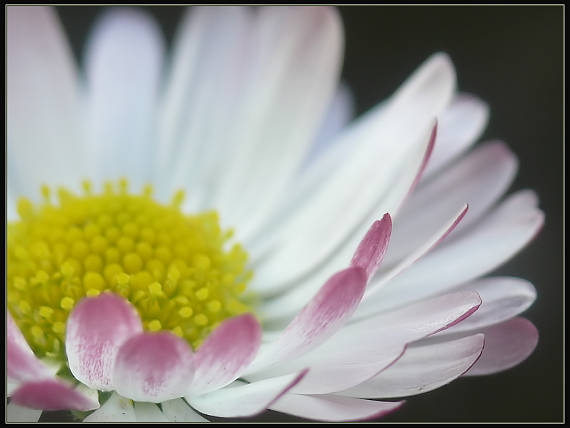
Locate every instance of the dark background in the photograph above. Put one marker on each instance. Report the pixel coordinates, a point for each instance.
(510, 56)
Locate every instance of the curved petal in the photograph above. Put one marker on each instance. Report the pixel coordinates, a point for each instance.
(15, 413)
(52, 394)
(153, 367)
(362, 349)
(21, 363)
(179, 411)
(115, 409)
(123, 62)
(506, 345)
(460, 125)
(470, 254)
(245, 400)
(323, 316)
(43, 122)
(372, 248)
(283, 306)
(479, 179)
(333, 408)
(227, 351)
(96, 328)
(503, 298)
(387, 141)
(422, 369)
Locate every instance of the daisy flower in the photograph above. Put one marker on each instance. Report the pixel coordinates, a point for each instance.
(351, 276)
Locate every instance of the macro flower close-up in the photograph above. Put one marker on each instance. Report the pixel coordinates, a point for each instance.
(202, 229)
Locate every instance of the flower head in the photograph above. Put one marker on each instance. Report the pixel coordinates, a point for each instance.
(338, 283)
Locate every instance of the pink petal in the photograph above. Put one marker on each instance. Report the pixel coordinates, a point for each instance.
(506, 345)
(51, 394)
(153, 367)
(323, 316)
(246, 400)
(21, 363)
(96, 329)
(334, 408)
(225, 353)
(372, 248)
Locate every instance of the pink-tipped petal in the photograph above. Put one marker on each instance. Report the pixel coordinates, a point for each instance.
(422, 369)
(506, 345)
(390, 152)
(460, 125)
(426, 158)
(363, 349)
(480, 178)
(96, 328)
(503, 298)
(326, 313)
(246, 400)
(153, 367)
(334, 408)
(468, 255)
(21, 363)
(52, 394)
(372, 248)
(396, 270)
(225, 354)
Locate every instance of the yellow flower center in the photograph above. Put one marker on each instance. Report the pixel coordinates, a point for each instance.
(175, 269)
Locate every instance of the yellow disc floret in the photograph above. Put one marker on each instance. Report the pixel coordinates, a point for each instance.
(179, 271)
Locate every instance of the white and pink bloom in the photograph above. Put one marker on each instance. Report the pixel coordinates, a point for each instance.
(349, 309)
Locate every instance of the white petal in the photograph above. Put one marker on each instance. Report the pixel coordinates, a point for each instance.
(123, 68)
(422, 369)
(506, 345)
(238, 400)
(503, 298)
(115, 409)
(334, 408)
(15, 413)
(460, 125)
(179, 411)
(369, 179)
(43, 122)
(295, 70)
(362, 349)
(204, 87)
(149, 412)
(476, 251)
(479, 179)
(340, 113)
